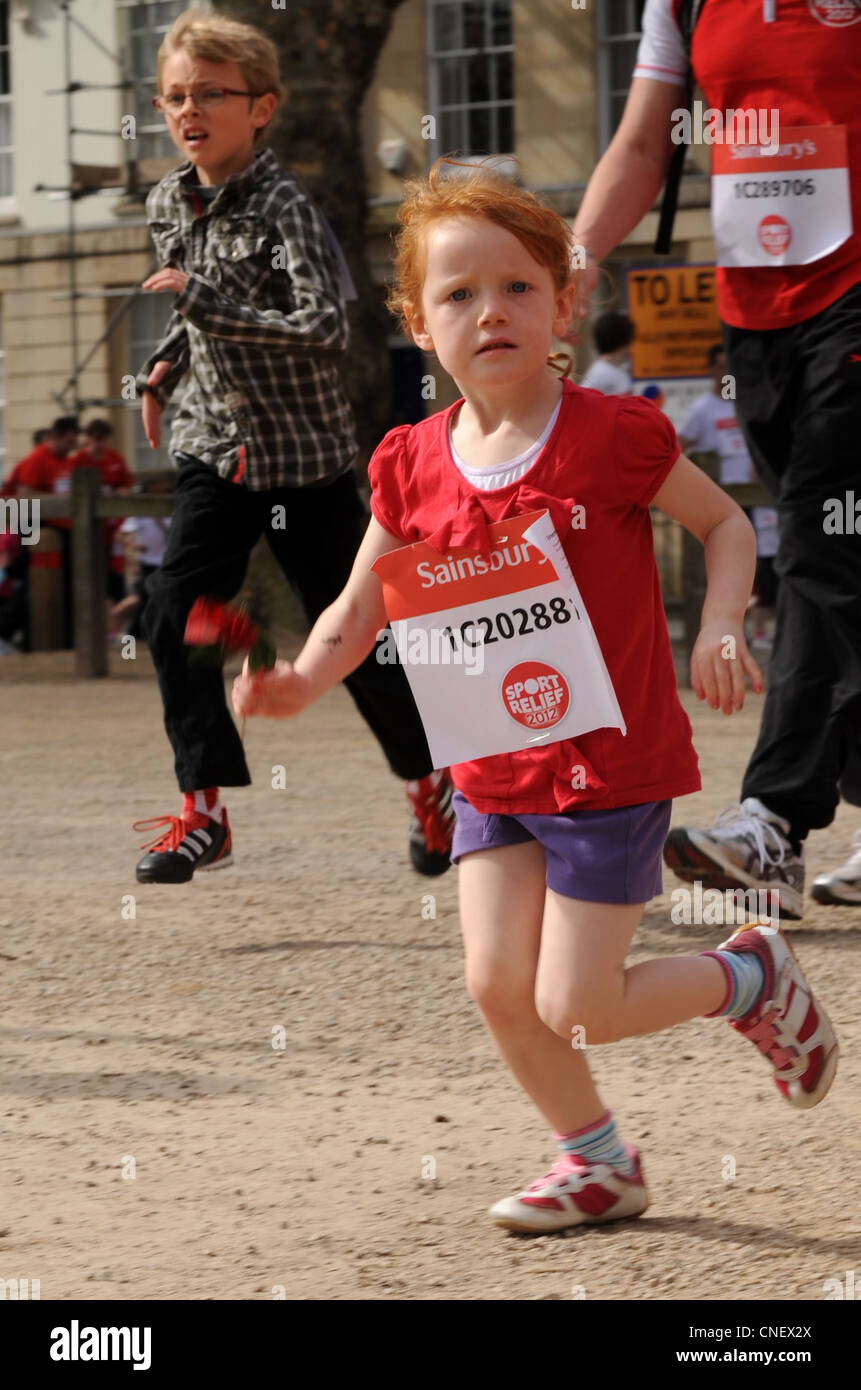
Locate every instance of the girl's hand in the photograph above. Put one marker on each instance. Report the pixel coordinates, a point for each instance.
(718, 662)
(167, 279)
(275, 694)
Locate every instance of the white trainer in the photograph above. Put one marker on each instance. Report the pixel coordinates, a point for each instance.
(842, 887)
(574, 1193)
(747, 847)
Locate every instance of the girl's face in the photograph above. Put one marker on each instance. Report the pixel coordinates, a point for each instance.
(488, 309)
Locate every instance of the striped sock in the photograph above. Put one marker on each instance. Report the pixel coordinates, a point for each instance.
(745, 980)
(203, 803)
(598, 1143)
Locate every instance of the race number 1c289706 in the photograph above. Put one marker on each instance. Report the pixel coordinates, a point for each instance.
(782, 204)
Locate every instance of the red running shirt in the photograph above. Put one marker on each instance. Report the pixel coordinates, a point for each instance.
(609, 454)
(112, 467)
(807, 66)
(39, 470)
(114, 473)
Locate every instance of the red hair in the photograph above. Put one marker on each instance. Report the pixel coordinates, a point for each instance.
(480, 193)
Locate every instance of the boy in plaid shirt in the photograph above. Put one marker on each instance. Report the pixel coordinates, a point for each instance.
(262, 431)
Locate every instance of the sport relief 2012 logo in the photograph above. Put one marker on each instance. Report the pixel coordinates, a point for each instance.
(837, 14)
(535, 694)
(774, 234)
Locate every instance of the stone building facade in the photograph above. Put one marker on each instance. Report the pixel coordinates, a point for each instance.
(541, 80)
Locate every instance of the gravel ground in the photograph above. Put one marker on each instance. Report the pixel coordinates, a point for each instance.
(154, 1144)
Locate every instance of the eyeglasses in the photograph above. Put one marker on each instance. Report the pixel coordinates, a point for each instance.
(207, 99)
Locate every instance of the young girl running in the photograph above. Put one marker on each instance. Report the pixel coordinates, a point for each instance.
(555, 870)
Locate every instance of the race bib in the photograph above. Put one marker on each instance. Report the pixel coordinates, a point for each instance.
(786, 204)
(499, 651)
(767, 532)
(736, 465)
(730, 438)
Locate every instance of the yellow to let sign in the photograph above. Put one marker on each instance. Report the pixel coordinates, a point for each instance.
(674, 309)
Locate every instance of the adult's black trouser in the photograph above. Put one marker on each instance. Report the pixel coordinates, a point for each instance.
(214, 528)
(799, 404)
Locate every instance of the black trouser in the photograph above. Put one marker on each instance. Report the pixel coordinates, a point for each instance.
(13, 615)
(65, 535)
(115, 580)
(799, 404)
(214, 528)
(135, 627)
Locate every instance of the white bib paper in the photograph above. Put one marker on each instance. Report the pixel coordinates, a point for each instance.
(499, 652)
(787, 204)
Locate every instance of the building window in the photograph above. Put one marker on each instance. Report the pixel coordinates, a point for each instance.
(7, 188)
(146, 321)
(471, 76)
(146, 25)
(619, 30)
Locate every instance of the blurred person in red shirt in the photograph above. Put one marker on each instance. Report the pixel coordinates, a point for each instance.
(98, 453)
(38, 471)
(13, 567)
(9, 486)
(13, 594)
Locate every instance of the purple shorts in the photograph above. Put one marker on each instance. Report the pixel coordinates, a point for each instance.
(597, 856)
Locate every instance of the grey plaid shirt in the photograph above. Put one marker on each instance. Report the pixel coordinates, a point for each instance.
(257, 331)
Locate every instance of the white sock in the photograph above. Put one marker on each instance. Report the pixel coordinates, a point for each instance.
(206, 803)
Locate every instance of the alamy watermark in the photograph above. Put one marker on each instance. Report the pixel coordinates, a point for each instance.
(20, 517)
(708, 126)
(842, 515)
(16, 1290)
(435, 646)
(723, 907)
(77, 1343)
(841, 1289)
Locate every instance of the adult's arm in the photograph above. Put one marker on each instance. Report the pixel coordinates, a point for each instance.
(628, 177)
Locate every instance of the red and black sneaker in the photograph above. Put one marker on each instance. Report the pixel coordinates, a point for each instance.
(189, 843)
(432, 825)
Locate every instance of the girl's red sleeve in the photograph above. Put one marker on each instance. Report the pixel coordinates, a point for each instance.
(387, 476)
(646, 449)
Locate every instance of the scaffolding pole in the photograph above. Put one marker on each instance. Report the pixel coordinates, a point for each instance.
(73, 192)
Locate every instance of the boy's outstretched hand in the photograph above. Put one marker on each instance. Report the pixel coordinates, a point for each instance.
(150, 407)
(718, 662)
(169, 278)
(276, 694)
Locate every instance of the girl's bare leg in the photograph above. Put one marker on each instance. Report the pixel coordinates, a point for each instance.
(502, 903)
(583, 984)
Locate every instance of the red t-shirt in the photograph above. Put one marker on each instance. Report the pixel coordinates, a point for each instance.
(11, 481)
(114, 473)
(112, 467)
(609, 454)
(39, 470)
(807, 66)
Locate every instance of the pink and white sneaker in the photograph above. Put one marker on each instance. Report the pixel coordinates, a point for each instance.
(574, 1193)
(786, 1023)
